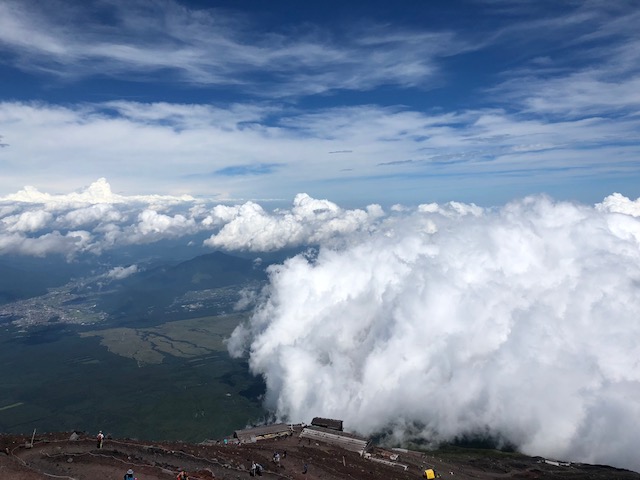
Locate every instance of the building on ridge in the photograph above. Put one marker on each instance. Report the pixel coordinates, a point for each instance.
(329, 423)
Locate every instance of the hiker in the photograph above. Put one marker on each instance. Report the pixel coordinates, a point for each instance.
(100, 439)
(259, 469)
(182, 475)
(304, 468)
(129, 475)
(254, 467)
(276, 459)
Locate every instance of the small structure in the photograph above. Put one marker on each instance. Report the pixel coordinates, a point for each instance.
(344, 440)
(387, 462)
(252, 435)
(387, 457)
(557, 463)
(327, 423)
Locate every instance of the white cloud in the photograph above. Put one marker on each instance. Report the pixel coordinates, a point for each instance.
(309, 222)
(520, 321)
(152, 223)
(99, 192)
(49, 243)
(209, 46)
(90, 220)
(591, 92)
(27, 221)
(119, 273)
(593, 71)
(100, 212)
(408, 153)
(620, 204)
(450, 209)
(110, 220)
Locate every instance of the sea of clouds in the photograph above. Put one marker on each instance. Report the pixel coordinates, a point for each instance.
(520, 322)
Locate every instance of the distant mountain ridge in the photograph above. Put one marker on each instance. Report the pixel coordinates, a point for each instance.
(16, 284)
(25, 277)
(158, 287)
(212, 270)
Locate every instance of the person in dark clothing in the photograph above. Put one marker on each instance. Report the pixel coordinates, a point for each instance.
(129, 475)
(182, 476)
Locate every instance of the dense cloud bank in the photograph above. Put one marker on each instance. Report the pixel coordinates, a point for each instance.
(95, 220)
(520, 322)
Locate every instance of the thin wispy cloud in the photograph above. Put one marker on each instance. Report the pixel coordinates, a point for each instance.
(215, 47)
(128, 137)
(251, 169)
(590, 64)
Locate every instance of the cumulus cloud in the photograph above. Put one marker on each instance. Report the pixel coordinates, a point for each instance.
(97, 213)
(27, 221)
(310, 221)
(90, 220)
(99, 192)
(109, 220)
(154, 222)
(520, 322)
(118, 273)
(49, 243)
(620, 204)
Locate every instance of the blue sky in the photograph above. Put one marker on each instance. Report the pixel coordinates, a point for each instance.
(359, 102)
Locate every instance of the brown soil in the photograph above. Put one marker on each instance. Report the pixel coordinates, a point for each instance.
(55, 456)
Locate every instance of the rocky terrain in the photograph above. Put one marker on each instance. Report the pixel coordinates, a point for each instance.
(59, 456)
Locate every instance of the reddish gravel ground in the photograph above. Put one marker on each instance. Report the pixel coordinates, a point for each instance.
(56, 456)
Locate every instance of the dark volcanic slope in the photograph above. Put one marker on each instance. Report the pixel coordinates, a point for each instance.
(55, 456)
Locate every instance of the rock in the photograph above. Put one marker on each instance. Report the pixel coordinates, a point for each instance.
(70, 460)
(74, 436)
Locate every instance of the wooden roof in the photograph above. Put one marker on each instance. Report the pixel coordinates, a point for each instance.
(327, 423)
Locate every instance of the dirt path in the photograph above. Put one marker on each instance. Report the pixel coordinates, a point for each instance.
(55, 456)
